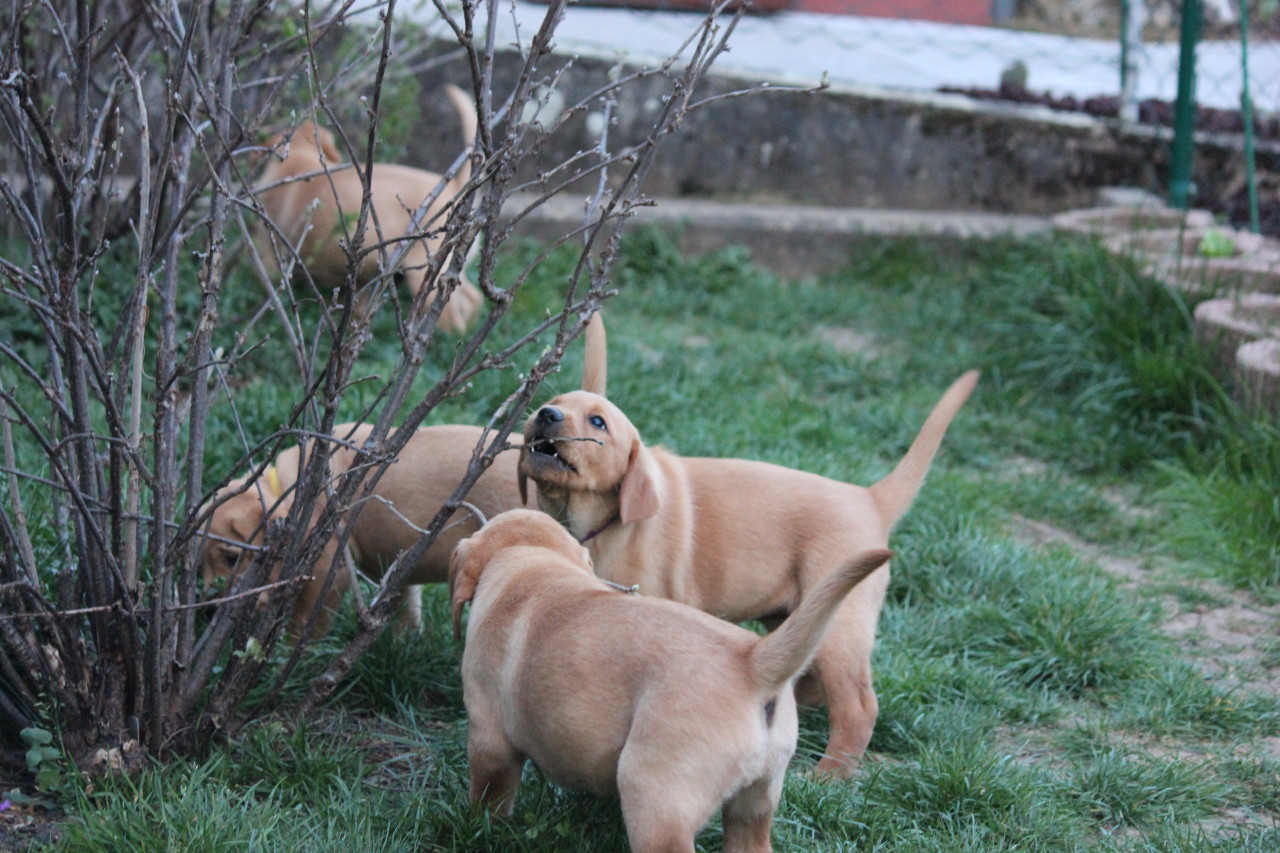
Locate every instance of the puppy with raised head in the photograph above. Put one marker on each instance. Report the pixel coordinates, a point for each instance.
(672, 710)
(313, 198)
(739, 539)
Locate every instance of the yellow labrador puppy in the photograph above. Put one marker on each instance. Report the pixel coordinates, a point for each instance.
(676, 712)
(314, 199)
(739, 539)
(407, 498)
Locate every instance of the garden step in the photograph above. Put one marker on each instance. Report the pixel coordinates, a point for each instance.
(1128, 219)
(1258, 375)
(791, 240)
(1226, 324)
(1188, 251)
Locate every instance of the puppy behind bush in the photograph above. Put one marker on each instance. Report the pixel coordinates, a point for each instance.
(314, 198)
(671, 709)
(407, 497)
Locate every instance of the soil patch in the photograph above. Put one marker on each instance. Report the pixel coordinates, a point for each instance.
(25, 826)
(848, 341)
(1234, 639)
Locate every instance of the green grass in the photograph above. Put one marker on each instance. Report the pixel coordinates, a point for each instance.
(1231, 517)
(1029, 700)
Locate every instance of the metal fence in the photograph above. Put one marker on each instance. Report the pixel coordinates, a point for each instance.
(1064, 48)
(1102, 57)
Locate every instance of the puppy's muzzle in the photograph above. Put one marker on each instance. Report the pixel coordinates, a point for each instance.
(543, 436)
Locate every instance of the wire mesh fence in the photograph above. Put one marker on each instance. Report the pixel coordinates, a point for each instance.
(1062, 52)
(1106, 58)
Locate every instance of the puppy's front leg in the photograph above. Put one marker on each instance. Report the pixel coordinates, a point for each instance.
(651, 835)
(409, 618)
(495, 767)
(309, 599)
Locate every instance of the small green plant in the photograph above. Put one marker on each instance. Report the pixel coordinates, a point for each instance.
(1216, 244)
(53, 776)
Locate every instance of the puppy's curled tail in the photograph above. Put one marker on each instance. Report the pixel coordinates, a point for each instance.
(466, 108)
(893, 495)
(780, 656)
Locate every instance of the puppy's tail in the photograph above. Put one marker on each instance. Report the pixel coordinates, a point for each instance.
(595, 359)
(780, 656)
(894, 494)
(463, 103)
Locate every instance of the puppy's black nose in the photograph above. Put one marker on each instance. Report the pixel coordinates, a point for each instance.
(550, 415)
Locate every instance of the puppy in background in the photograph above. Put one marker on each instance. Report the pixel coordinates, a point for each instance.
(737, 538)
(676, 712)
(317, 213)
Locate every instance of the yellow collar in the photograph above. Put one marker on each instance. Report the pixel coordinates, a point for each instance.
(273, 481)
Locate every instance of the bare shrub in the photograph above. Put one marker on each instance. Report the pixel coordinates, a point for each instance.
(138, 319)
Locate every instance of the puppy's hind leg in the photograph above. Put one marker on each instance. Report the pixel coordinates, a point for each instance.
(658, 831)
(843, 667)
(748, 817)
(495, 767)
(663, 812)
(463, 303)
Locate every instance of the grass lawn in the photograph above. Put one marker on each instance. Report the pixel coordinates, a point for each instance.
(1079, 649)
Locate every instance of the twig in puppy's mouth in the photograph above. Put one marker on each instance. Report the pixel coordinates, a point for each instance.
(536, 442)
(547, 447)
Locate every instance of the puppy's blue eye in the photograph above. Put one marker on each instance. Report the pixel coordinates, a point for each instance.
(598, 423)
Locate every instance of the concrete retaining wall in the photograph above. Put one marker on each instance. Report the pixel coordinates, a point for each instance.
(869, 149)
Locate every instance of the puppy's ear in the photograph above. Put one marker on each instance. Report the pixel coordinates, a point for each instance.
(523, 482)
(463, 575)
(638, 496)
(250, 516)
(246, 518)
(288, 465)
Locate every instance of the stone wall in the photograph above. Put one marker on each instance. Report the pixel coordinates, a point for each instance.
(870, 149)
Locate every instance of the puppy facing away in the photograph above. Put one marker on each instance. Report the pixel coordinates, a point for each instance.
(672, 710)
(314, 199)
(406, 498)
(739, 539)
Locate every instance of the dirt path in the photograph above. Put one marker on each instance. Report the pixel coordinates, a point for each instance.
(1228, 633)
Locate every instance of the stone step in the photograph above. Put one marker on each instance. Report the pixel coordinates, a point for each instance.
(1227, 323)
(1188, 251)
(1258, 375)
(792, 240)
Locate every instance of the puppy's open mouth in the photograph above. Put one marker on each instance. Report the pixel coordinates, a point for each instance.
(546, 449)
